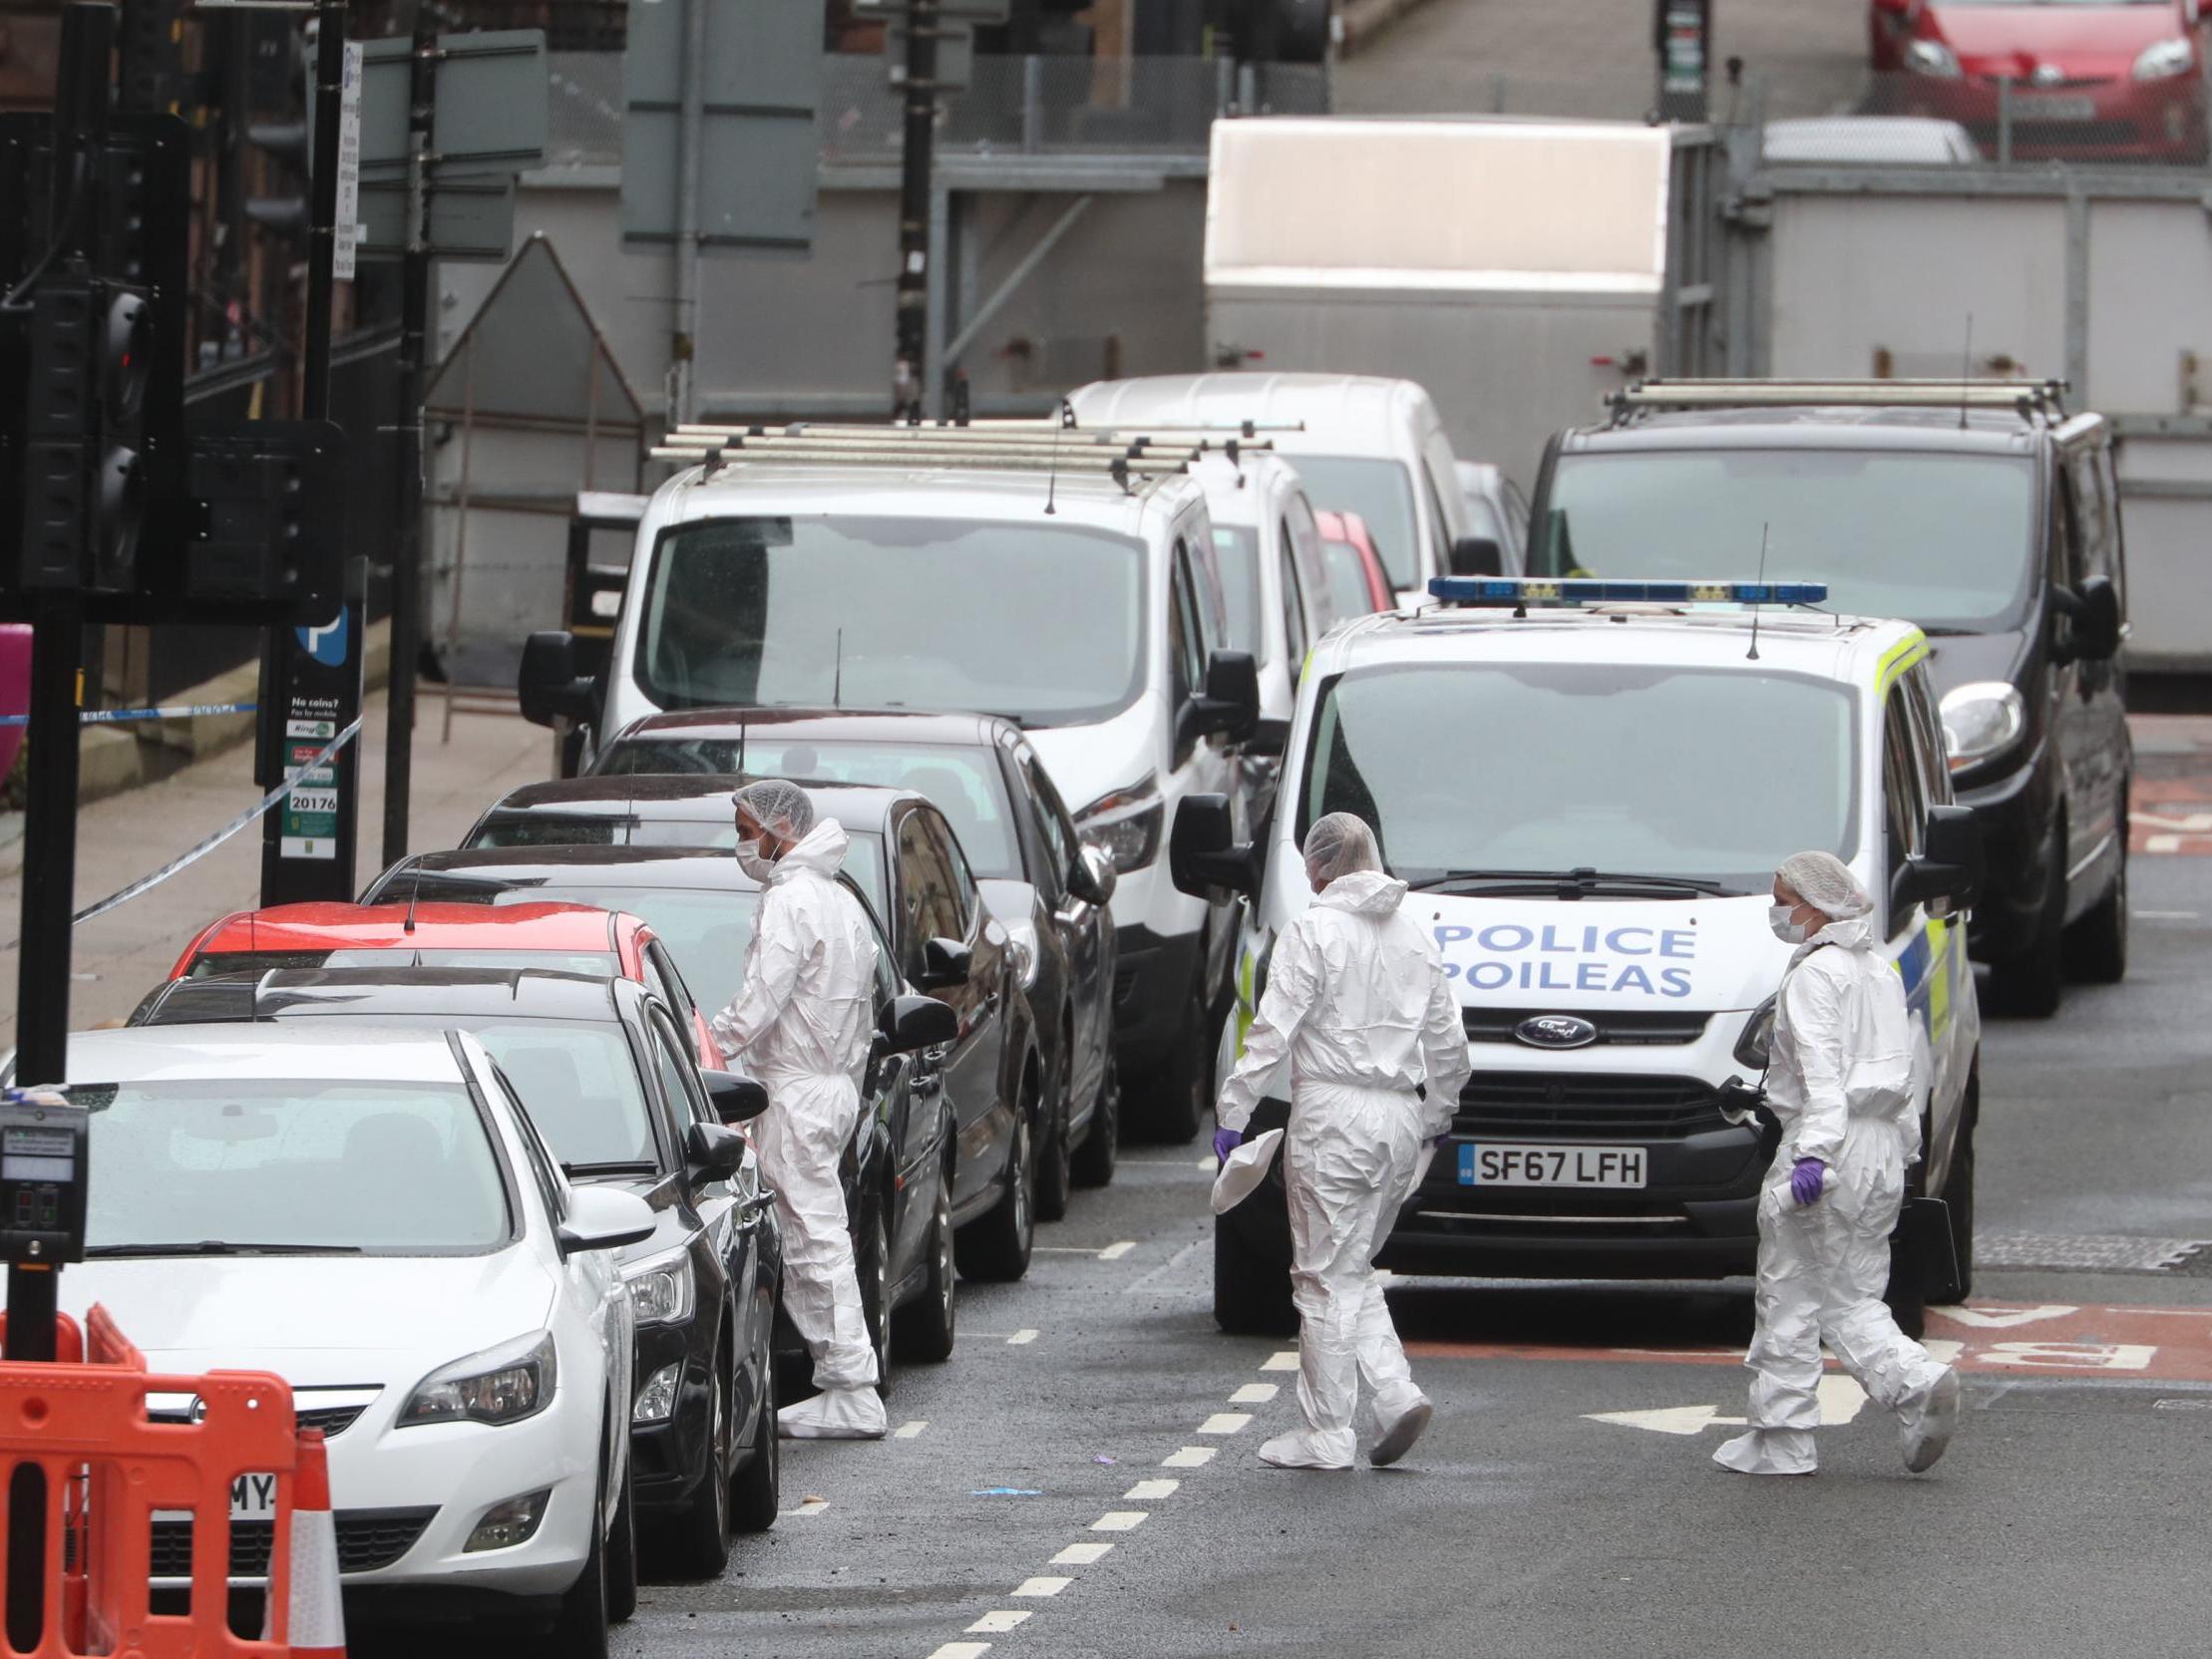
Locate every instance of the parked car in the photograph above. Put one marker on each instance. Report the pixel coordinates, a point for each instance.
(614, 1091)
(373, 1217)
(1051, 892)
(1355, 573)
(571, 937)
(2104, 80)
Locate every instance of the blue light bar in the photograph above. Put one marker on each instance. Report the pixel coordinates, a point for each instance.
(1587, 591)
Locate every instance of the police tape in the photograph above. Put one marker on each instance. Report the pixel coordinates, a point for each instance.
(192, 855)
(111, 717)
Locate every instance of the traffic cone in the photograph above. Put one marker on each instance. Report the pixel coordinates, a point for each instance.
(316, 1628)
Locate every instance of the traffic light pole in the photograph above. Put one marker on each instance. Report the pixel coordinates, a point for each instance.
(322, 229)
(917, 166)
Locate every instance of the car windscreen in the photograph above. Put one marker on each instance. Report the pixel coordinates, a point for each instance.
(1945, 539)
(209, 962)
(1347, 579)
(1708, 773)
(528, 827)
(965, 782)
(1237, 556)
(706, 930)
(1381, 491)
(380, 1169)
(909, 613)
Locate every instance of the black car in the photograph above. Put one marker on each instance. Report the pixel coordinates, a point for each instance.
(604, 1071)
(1035, 875)
(1981, 511)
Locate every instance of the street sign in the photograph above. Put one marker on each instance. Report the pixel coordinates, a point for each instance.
(470, 217)
(758, 151)
(347, 233)
(491, 112)
(955, 55)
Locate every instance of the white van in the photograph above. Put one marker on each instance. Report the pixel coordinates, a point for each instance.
(1589, 802)
(1366, 446)
(1076, 598)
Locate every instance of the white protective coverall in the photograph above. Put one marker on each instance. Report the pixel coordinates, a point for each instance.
(1841, 1079)
(1359, 1000)
(802, 1023)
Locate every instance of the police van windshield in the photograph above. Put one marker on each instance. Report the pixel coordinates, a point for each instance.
(1946, 541)
(1707, 775)
(902, 613)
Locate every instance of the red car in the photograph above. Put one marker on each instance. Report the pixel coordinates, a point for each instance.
(571, 937)
(1357, 583)
(2104, 80)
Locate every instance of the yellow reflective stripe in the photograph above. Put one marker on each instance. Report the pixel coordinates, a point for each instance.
(1898, 658)
(1939, 977)
(1247, 962)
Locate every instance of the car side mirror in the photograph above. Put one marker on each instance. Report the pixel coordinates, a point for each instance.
(601, 1219)
(911, 1023)
(1949, 867)
(1092, 877)
(2097, 619)
(1228, 707)
(1477, 555)
(1204, 853)
(737, 1100)
(945, 964)
(714, 1153)
(1268, 738)
(547, 683)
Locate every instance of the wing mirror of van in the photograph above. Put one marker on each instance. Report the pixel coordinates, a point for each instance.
(1949, 867)
(1204, 853)
(1477, 555)
(1228, 707)
(2094, 609)
(1092, 877)
(549, 685)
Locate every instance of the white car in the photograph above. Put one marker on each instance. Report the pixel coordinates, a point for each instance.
(371, 1217)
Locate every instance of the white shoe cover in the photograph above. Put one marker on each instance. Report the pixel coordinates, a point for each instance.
(834, 1414)
(1400, 1432)
(1295, 1449)
(1925, 1429)
(1769, 1452)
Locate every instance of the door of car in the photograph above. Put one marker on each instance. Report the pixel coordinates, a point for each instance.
(1928, 950)
(2093, 724)
(1085, 930)
(1203, 766)
(906, 1093)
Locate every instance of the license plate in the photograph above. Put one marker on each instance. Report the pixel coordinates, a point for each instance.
(252, 1497)
(1497, 1164)
(2043, 106)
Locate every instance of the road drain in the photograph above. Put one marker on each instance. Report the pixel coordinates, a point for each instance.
(2093, 1253)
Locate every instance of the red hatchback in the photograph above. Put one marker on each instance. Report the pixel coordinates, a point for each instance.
(1356, 580)
(567, 937)
(2086, 79)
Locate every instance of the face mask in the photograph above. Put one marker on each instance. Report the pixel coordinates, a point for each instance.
(1789, 932)
(749, 859)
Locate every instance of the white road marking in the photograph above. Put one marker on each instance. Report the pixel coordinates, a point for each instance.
(1190, 1457)
(1841, 1400)
(2002, 1319)
(1081, 1554)
(997, 1623)
(1943, 1350)
(1210, 1161)
(2189, 823)
(1042, 1586)
(1283, 1360)
(1254, 1394)
(1062, 1250)
(1021, 1339)
(2163, 843)
(2166, 915)
(1120, 1520)
(907, 1431)
(1150, 1491)
(812, 1506)
(1224, 1423)
(962, 1650)
(1116, 1250)
(2073, 1355)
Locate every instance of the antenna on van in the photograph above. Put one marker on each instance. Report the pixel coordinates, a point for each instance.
(1965, 374)
(1754, 654)
(1053, 476)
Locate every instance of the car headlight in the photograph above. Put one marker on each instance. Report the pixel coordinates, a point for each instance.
(661, 1289)
(501, 1385)
(1022, 943)
(2162, 60)
(1932, 56)
(1125, 825)
(1981, 720)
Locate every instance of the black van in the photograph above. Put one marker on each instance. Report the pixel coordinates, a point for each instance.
(1978, 510)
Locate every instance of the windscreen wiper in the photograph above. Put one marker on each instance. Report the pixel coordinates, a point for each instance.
(221, 1248)
(1568, 883)
(612, 1167)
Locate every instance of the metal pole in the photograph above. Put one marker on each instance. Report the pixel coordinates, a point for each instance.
(684, 384)
(407, 546)
(322, 237)
(917, 165)
(2003, 120)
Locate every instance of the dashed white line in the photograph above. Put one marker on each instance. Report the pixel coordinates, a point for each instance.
(1081, 1554)
(2166, 915)
(2161, 843)
(907, 1431)
(962, 1650)
(1021, 1339)
(1286, 1359)
(1254, 1394)
(1046, 1585)
(1190, 1457)
(812, 1506)
(997, 1622)
(1116, 1250)
(1120, 1520)
(1147, 1492)
(1209, 1162)
(1224, 1423)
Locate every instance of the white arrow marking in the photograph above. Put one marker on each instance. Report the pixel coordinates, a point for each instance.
(2192, 824)
(1841, 1400)
(2004, 1319)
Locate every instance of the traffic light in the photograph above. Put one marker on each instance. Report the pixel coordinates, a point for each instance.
(58, 412)
(270, 520)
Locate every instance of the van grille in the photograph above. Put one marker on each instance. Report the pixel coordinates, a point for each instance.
(1614, 1025)
(1580, 1106)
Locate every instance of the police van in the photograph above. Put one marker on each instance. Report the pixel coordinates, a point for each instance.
(1587, 786)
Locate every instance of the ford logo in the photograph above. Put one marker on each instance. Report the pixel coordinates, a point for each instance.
(1556, 1031)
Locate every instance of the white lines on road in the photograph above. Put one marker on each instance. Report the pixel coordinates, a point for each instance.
(1149, 1492)
(1210, 1161)
(962, 1650)
(2166, 915)
(1283, 1360)
(907, 1431)
(811, 1507)
(1120, 1520)
(1224, 1423)
(1254, 1394)
(1081, 1554)
(1021, 1339)
(1112, 1252)
(1046, 1585)
(1190, 1457)
(1116, 1250)
(998, 1622)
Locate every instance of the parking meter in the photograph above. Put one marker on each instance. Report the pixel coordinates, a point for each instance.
(43, 1162)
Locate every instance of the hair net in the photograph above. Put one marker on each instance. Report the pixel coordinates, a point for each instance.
(1825, 882)
(1340, 844)
(780, 808)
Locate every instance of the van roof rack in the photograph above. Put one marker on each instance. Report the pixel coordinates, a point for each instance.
(1044, 448)
(2024, 397)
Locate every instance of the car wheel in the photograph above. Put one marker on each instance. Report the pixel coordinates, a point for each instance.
(2029, 984)
(1093, 1162)
(698, 1545)
(1054, 1177)
(1252, 1295)
(996, 1248)
(622, 1557)
(757, 1493)
(1958, 1196)
(875, 1277)
(924, 1328)
(2096, 945)
(579, 1628)
(1176, 1097)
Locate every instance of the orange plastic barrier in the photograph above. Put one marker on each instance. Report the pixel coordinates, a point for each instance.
(108, 1469)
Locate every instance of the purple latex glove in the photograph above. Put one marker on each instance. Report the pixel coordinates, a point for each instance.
(1806, 1179)
(1227, 1140)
